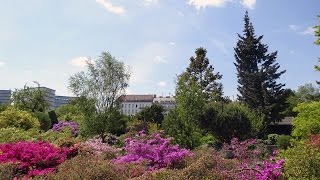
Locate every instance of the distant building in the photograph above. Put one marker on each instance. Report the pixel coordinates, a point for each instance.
(167, 102)
(50, 97)
(5, 96)
(131, 104)
(61, 100)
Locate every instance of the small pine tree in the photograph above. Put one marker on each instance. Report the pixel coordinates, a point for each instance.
(203, 73)
(257, 72)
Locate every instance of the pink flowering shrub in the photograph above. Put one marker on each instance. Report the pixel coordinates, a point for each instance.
(252, 166)
(95, 146)
(34, 158)
(155, 151)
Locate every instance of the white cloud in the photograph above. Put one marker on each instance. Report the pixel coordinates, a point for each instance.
(162, 84)
(293, 27)
(111, 8)
(198, 4)
(160, 60)
(2, 64)
(149, 2)
(308, 31)
(79, 62)
(172, 43)
(248, 3)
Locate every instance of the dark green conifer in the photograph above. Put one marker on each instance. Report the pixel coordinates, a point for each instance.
(257, 73)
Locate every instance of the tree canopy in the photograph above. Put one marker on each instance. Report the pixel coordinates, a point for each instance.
(30, 99)
(98, 91)
(257, 73)
(203, 74)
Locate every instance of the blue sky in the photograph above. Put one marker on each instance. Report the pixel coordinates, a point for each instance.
(48, 40)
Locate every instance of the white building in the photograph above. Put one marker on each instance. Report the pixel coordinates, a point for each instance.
(132, 104)
(167, 102)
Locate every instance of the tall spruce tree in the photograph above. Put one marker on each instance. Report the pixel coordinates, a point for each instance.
(203, 74)
(257, 72)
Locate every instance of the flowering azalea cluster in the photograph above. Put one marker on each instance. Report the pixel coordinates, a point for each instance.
(33, 158)
(98, 147)
(251, 165)
(154, 150)
(63, 124)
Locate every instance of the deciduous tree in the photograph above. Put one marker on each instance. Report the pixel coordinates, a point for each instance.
(100, 88)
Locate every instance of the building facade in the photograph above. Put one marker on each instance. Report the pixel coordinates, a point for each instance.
(167, 102)
(5, 96)
(61, 100)
(131, 104)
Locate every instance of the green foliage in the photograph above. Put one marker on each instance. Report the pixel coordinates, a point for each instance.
(272, 138)
(3, 107)
(98, 91)
(308, 120)
(104, 82)
(44, 120)
(13, 117)
(30, 99)
(308, 93)
(202, 72)
(111, 121)
(209, 140)
(53, 118)
(182, 123)
(69, 112)
(12, 134)
(257, 73)
(301, 162)
(154, 114)
(231, 120)
(283, 141)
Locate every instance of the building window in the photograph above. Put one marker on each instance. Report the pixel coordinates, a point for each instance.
(136, 105)
(129, 105)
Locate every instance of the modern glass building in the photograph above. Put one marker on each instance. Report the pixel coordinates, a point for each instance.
(5, 96)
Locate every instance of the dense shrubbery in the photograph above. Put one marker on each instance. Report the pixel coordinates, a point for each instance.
(12, 117)
(308, 120)
(231, 120)
(44, 120)
(303, 160)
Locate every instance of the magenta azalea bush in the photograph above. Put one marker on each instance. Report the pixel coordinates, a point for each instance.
(251, 164)
(156, 151)
(66, 124)
(34, 158)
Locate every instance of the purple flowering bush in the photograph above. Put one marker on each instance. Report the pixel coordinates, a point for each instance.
(252, 164)
(155, 151)
(66, 124)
